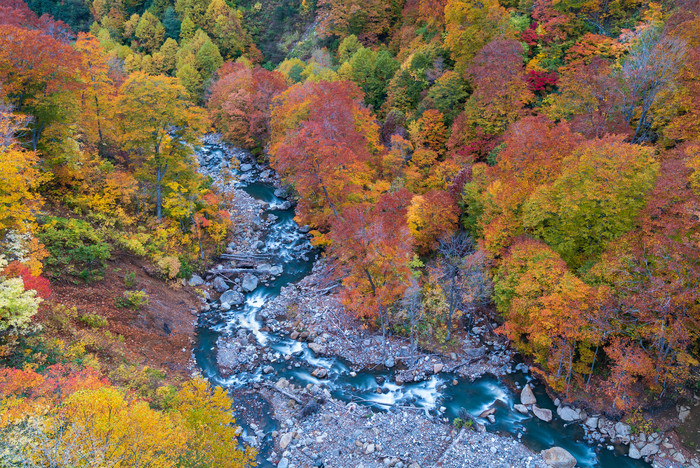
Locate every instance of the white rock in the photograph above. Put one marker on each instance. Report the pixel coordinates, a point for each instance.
(250, 282)
(317, 348)
(286, 439)
(649, 449)
(622, 430)
(232, 297)
(542, 413)
(196, 280)
(527, 397)
(634, 452)
(557, 457)
(592, 423)
(521, 409)
(567, 413)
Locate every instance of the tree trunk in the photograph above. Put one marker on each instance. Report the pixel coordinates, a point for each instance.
(160, 174)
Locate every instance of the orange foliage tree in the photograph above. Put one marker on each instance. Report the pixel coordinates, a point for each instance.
(240, 103)
(373, 243)
(326, 143)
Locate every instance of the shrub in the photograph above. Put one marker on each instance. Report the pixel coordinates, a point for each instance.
(130, 279)
(133, 300)
(76, 249)
(31, 282)
(93, 320)
(169, 266)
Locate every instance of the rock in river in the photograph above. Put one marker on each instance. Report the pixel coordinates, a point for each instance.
(527, 397)
(634, 452)
(557, 457)
(317, 348)
(568, 414)
(250, 282)
(542, 413)
(232, 297)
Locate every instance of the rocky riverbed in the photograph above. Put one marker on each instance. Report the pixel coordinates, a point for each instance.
(318, 430)
(329, 392)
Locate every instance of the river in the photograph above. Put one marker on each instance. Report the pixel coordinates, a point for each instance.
(292, 249)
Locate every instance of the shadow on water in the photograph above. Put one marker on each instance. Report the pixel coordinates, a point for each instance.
(292, 249)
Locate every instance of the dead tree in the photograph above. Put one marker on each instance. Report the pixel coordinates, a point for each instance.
(464, 277)
(650, 67)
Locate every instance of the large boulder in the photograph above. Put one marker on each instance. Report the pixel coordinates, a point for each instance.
(232, 297)
(649, 449)
(196, 280)
(568, 414)
(521, 408)
(250, 282)
(527, 397)
(634, 452)
(557, 457)
(219, 284)
(542, 413)
(622, 429)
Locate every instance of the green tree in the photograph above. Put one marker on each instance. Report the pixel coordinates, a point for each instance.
(187, 29)
(169, 50)
(448, 94)
(348, 47)
(150, 32)
(171, 23)
(596, 199)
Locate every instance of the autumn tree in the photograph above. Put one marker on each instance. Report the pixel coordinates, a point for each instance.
(430, 217)
(545, 308)
(159, 125)
(324, 142)
(372, 243)
(98, 88)
(470, 25)
(225, 25)
(149, 32)
(19, 177)
(18, 304)
(500, 90)
(367, 20)
(684, 123)
(589, 98)
(34, 68)
(240, 104)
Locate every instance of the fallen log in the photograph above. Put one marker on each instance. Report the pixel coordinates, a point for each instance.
(231, 271)
(287, 394)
